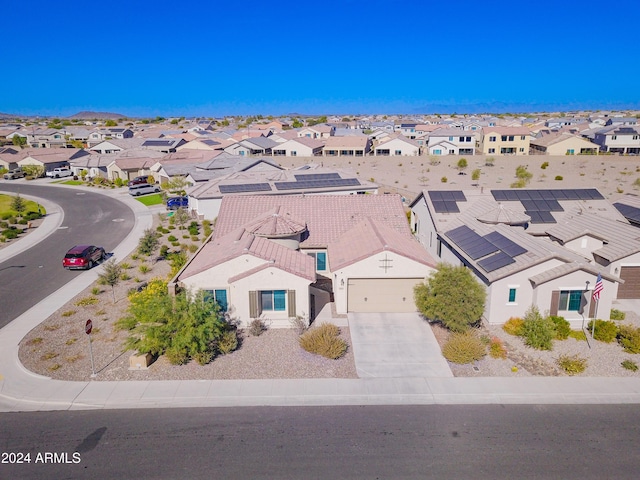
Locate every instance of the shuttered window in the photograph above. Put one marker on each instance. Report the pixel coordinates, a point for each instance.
(253, 304)
(291, 300)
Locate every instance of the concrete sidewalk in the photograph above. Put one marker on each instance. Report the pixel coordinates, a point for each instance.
(21, 390)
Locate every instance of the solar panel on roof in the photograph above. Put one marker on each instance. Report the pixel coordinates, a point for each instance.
(523, 195)
(595, 194)
(329, 182)
(499, 195)
(158, 143)
(242, 188)
(570, 195)
(458, 196)
(531, 205)
(535, 195)
(554, 206)
(511, 195)
(316, 176)
(505, 244)
(548, 195)
(628, 212)
(540, 217)
(445, 206)
(496, 261)
(435, 196)
(470, 242)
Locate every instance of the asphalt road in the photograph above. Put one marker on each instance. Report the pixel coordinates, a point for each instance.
(89, 218)
(386, 442)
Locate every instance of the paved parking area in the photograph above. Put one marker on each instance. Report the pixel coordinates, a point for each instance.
(389, 345)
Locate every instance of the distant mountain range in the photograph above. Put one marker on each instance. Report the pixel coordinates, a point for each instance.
(100, 115)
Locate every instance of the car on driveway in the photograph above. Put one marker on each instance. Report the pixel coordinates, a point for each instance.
(143, 179)
(175, 203)
(13, 174)
(83, 257)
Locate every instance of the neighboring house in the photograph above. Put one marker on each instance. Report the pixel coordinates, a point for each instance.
(317, 131)
(50, 158)
(181, 164)
(299, 147)
(46, 138)
(555, 123)
(531, 247)
(623, 140)
(447, 141)
(397, 146)
(505, 141)
(205, 198)
(622, 122)
(347, 146)
(562, 143)
(127, 168)
(8, 161)
(278, 258)
(95, 165)
(116, 133)
(224, 164)
(202, 144)
(116, 145)
(252, 146)
(164, 145)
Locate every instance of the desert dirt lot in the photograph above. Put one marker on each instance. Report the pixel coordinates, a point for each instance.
(58, 347)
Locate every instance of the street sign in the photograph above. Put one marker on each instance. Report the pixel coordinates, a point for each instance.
(88, 326)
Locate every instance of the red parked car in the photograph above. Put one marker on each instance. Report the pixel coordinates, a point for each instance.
(83, 257)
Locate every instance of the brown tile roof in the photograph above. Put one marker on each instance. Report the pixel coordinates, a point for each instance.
(276, 223)
(327, 216)
(346, 142)
(370, 237)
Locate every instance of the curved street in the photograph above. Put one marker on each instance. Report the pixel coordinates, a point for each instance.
(82, 217)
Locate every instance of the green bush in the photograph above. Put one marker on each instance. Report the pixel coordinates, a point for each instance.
(464, 347)
(544, 165)
(10, 233)
(605, 330)
(578, 335)
(444, 179)
(558, 177)
(148, 243)
(164, 250)
(538, 332)
(629, 338)
(617, 314)
(572, 364)
(497, 349)
(171, 238)
(514, 326)
(562, 327)
(630, 365)
(228, 342)
(324, 340)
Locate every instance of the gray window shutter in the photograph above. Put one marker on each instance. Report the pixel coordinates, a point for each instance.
(253, 304)
(555, 301)
(592, 307)
(291, 301)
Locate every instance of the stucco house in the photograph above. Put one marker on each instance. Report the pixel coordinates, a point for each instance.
(562, 143)
(281, 257)
(347, 146)
(451, 141)
(50, 158)
(505, 141)
(619, 139)
(299, 147)
(533, 247)
(397, 146)
(116, 145)
(252, 146)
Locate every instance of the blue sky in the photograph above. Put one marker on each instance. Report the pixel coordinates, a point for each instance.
(213, 58)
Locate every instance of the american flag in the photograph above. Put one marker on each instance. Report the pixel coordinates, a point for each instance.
(598, 288)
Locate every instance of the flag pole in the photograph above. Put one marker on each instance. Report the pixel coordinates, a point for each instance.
(595, 316)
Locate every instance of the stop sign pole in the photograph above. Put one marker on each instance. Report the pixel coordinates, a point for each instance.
(87, 329)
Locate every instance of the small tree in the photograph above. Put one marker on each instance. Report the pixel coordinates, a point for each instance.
(18, 204)
(462, 164)
(180, 217)
(111, 275)
(19, 141)
(451, 296)
(475, 175)
(148, 243)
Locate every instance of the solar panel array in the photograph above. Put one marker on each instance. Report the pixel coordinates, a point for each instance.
(243, 188)
(307, 177)
(328, 182)
(158, 143)
(542, 205)
(557, 194)
(446, 201)
(498, 251)
(471, 243)
(630, 213)
(495, 261)
(540, 217)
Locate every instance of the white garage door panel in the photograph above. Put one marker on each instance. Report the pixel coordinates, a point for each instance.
(381, 294)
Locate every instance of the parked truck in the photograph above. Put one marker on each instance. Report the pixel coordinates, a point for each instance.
(59, 172)
(13, 174)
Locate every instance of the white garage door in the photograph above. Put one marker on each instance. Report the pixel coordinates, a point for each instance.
(381, 294)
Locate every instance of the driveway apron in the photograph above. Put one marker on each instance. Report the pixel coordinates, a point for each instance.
(389, 345)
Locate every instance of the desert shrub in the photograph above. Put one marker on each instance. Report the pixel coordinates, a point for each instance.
(629, 338)
(562, 327)
(572, 364)
(605, 330)
(177, 355)
(558, 177)
(538, 332)
(513, 326)
(324, 340)
(464, 347)
(228, 342)
(630, 365)
(148, 243)
(96, 291)
(475, 174)
(617, 314)
(544, 165)
(171, 238)
(497, 349)
(444, 179)
(84, 302)
(298, 324)
(68, 313)
(256, 327)
(10, 233)
(578, 335)
(203, 357)
(144, 268)
(164, 250)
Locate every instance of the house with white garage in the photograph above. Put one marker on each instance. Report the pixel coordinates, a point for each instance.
(397, 146)
(298, 147)
(451, 141)
(278, 257)
(531, 247)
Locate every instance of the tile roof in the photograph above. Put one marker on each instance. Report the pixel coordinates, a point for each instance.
(327, 216)
(346, 142)
(372, 236)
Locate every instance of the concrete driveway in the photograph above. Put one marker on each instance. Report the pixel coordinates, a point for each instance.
(395, 345)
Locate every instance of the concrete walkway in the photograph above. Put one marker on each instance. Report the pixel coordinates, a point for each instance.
(395, 345)
(21, 390)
